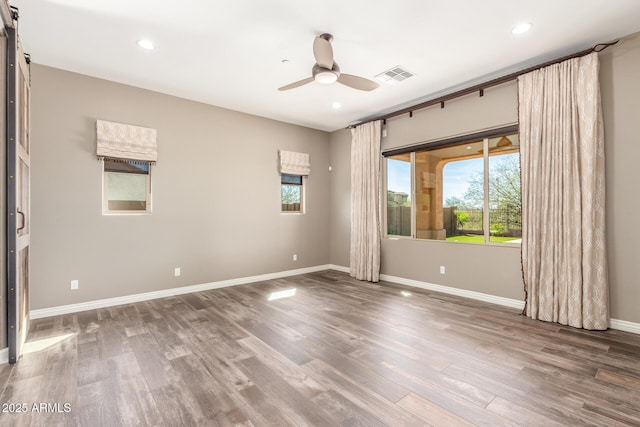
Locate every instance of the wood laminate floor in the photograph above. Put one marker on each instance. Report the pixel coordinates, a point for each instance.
(338, 352)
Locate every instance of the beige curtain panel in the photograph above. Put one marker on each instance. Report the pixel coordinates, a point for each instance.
(292, 163)
(120, 141)
(563, 194)
(365, 202)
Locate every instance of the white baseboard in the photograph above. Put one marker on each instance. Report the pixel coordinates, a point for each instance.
(507, 302)
(4, 355)
(128, 299)
(513, 303)
(340, 268)
(621, 325)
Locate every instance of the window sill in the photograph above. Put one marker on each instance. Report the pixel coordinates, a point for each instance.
(125, 213)
(399, 238)
(490, 244)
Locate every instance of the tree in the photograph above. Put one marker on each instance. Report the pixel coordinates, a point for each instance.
(454, 201)
(504, 184)
(462, 218)
(290, 194)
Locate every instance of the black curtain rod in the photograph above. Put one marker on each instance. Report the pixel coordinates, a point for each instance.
(482, 86)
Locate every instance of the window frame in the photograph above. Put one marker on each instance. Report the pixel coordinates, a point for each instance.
(302, 194)
(485, 136)
(383, 200)
(105, 191)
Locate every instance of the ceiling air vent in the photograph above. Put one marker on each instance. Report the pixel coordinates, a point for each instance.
(394, 75)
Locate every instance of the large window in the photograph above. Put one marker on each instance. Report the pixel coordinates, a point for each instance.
(126, 186)
(464, 191)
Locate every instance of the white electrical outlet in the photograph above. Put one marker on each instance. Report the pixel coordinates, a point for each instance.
(295, 257)
(442, 270)
(176, 271)
(74, 284)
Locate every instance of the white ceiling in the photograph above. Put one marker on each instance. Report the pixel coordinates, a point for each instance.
(229, 53)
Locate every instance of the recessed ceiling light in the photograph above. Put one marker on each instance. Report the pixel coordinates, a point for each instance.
(521, 28)
(336, 105)
(146, 44)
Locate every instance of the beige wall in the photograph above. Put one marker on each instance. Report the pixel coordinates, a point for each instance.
(493, 270)
(340, 196)
(620, 85)
(471, 113)
(216, 207)
(496, 270)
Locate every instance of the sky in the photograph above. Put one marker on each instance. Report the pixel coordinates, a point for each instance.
(455, 175)
(399, 176)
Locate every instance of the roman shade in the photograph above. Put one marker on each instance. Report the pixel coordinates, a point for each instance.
(121, 141)
(293, 163)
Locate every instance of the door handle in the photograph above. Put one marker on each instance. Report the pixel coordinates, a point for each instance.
(24, 221)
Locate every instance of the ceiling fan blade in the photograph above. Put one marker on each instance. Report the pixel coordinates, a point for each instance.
(356, 82)
(323, 52)
(296, 84)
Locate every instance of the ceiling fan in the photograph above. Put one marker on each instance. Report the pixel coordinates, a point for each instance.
(326, 70)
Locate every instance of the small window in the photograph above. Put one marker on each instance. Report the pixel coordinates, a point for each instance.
(126, 186)
(291, 193)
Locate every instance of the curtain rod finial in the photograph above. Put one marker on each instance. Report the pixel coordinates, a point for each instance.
(602, 46)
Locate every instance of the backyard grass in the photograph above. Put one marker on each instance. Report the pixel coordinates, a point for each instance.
(478, 239)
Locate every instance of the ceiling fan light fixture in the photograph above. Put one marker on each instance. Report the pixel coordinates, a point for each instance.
(325, 77)
(504, 142)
